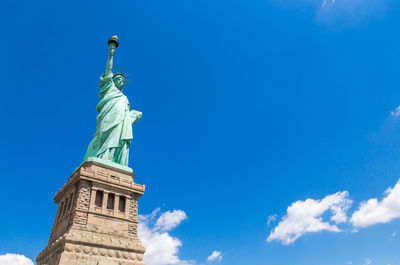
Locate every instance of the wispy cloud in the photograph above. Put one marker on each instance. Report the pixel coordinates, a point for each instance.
(15, 259)
(367, 261)
(271, 219)
(215, 256)
(350, 13)
(339, 14)
(396, 112)
(306, 217)
(327, 3)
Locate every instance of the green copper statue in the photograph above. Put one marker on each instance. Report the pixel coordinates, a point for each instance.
(114, 121)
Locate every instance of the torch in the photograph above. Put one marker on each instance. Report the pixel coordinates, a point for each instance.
(113, 42)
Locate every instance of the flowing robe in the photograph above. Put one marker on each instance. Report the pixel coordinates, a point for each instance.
(114, 124)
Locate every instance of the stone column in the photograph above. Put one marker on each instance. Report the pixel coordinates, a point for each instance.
(126, 206)
(105, 200)
(116, 203)
(93, 198)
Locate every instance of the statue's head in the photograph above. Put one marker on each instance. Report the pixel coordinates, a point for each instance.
(119, 80)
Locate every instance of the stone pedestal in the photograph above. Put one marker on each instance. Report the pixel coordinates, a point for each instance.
(96, 221)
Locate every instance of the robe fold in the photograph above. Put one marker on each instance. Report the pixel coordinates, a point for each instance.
(114, 124)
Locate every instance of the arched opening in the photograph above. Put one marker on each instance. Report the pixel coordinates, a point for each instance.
(121, 205)
(69, 202)
(99, 198)
(60, 210)
(110, 201)
(65, 206)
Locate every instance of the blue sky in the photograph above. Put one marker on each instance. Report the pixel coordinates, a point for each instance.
(253, 110)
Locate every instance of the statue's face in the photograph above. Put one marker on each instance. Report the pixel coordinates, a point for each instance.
(119, 82)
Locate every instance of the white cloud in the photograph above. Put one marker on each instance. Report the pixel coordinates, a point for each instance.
(271, 218)
(368, 261)
(327, 2)
(15, 259)
(306, 217)
(309, 216)
(373, 211)
(215, 255)
(169, 220)
(396, 112)
(161, 247)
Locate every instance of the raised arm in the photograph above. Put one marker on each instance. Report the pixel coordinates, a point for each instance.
(112, 44)
(109, 64)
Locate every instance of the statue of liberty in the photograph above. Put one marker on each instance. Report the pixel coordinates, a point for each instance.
(114, 122)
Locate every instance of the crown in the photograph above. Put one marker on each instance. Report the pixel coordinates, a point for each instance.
(121, 74)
